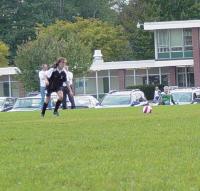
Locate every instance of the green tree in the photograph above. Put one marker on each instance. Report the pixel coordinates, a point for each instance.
(19, 18)
(96, 35)
(3, 54)
(46, 49)
(75, 41)
(141, 42)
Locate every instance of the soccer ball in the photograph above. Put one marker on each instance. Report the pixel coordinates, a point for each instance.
(147, 109)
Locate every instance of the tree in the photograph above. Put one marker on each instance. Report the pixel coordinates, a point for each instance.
(3, 54)
(95, 34)
(46, 49)
(141, 42)
(19, 18)
(75, 41)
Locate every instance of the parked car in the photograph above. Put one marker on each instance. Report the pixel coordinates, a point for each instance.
(31, 94)
(123, 99)
(6, 103)
(85, 102)
(27, 104)
(185, 96)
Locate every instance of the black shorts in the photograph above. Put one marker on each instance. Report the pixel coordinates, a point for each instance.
(50, 91)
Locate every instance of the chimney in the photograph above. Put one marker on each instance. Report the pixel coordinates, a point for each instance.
(98, 57)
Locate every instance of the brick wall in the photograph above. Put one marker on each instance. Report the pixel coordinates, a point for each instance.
(196, 55)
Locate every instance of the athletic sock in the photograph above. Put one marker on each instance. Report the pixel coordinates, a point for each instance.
(44, 108)
(57, 105)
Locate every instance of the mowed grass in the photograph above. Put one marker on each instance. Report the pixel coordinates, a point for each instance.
(97, 150)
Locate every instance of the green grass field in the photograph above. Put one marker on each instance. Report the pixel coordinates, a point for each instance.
(97, 150)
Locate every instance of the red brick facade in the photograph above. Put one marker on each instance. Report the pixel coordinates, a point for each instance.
(196, 55)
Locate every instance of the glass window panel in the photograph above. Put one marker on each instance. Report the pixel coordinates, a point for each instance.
(140, 80)
(129, 81)
(114, 83)
(79, 86)
(1, 89)
(15, 89)
(140, 72)
(154, 80)
(176, 38)
(90, 85)
(163, 38)
(164, 80)
(187, 33)
(153, 71)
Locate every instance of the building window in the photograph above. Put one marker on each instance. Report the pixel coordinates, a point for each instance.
(163, 44)
(185, 77)
(187, 37)
(174, 44)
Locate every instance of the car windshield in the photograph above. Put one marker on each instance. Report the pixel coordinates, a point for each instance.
(182, 97)
(1, 102)
(27, 103)
(116, 100)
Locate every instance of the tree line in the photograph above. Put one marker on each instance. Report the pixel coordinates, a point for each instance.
(34, 32)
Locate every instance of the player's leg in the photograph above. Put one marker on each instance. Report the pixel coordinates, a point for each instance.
(48, 97)
(59, 101)
(64, 101)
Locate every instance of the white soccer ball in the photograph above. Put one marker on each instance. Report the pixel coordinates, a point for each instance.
(147, 109)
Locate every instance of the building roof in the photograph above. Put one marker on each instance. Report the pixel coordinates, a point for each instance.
(171, 25)
(9, 71)
(140, 64)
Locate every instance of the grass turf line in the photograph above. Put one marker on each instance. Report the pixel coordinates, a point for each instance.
(105, 149)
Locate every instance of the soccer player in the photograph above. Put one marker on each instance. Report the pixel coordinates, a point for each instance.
(56, 76)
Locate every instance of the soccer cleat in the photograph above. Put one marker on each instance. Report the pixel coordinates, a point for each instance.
(56, 113)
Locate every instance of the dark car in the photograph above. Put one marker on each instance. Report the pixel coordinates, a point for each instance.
(6, 103)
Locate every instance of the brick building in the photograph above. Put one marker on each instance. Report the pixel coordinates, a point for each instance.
(176, 62)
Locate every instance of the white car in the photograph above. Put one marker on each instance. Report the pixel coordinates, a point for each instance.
(27, 104)
(127, 98)
(6, 103)
(84, 101)
(185, 96)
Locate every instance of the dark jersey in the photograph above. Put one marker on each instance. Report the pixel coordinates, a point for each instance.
(56, 78)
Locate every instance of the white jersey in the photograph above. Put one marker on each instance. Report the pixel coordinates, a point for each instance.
(42, 76)
(69, 76)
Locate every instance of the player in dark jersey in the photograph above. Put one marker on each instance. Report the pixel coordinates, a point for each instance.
(55, 78)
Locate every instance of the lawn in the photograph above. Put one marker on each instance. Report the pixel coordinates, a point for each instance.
(101, 150)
